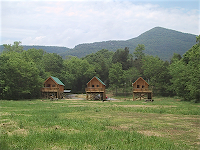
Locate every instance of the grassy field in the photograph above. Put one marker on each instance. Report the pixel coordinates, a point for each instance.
(166, 123)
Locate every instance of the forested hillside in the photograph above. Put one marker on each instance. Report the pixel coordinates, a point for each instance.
(22, 72)
(158, 41)
(50, 49)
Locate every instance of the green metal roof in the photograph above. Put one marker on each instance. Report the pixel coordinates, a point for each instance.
(57, 80)
(100, 80)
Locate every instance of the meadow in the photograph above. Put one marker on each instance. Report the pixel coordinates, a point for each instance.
(166, 123)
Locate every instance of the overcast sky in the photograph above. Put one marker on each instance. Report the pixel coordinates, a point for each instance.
(69, 23)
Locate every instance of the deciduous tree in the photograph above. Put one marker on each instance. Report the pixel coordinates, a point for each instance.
(77, 73)
(157, 72)
(116, 75)
(186, 75)
(18, 78)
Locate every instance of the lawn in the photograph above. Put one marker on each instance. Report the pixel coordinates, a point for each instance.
(166, 123)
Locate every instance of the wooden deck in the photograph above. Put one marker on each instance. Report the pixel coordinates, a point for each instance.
(47, 92)
(50, 89)
(142, 90)
(94, 90)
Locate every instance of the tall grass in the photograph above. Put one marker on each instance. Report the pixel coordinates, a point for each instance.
(70, 124)
(86, 139)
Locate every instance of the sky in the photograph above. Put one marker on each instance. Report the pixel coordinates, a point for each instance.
(69, 23)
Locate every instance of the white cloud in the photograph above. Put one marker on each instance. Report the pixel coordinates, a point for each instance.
(68, 23)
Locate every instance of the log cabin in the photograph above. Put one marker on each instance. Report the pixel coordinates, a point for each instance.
(96, 89)
(53, 88)
(141, 87)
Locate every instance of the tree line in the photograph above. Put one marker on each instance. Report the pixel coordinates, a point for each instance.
(22, 72)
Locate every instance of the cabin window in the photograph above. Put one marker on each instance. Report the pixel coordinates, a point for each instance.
(97, 85)
(143, 86)
(48, 85)
(92, 85)
(138, 86)
(53, 85)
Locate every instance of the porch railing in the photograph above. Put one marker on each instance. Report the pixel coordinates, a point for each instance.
(92, 89)
(50, 89)
(142, 90)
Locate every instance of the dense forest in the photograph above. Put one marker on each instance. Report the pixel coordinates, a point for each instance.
(22, 72)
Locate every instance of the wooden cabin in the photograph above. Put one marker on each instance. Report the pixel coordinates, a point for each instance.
(53, 88)
(141, 88)
(96, 89)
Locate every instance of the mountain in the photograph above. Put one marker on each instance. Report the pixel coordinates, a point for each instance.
(158, 41)
(49, 49)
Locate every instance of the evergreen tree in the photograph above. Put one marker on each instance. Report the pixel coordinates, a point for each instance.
(122, 56)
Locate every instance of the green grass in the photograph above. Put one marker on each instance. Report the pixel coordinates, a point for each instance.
(166, 123)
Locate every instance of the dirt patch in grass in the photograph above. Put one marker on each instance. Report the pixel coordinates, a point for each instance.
(56, 147)
(97, 101)
(8, 124)
(4, 120)
(68, 130)
(19, 132)
(76, 105)
(71, 131)
(11, 127)
(153, 106)
(74, 99)
(81, 95)
(4, 114)
(136, 105)
(118, 127)
(150, 133)
(58, 102)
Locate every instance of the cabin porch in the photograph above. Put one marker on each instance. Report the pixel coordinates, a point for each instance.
(95, 93)
(142, 94)
(49, 92)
